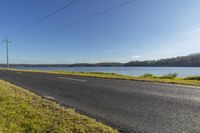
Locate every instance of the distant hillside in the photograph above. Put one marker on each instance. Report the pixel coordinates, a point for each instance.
(195, 54)
(106, 64)
(192, 60)
(35, 65)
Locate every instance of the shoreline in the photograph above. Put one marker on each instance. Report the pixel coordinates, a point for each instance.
(169, 78)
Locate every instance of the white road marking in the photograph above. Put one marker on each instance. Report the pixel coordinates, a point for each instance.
(49, 97)
(19, 72)
(80, 80)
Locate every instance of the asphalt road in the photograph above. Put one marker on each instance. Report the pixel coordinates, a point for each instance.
(129, 106)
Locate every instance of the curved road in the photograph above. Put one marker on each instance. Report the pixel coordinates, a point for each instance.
(129, 106)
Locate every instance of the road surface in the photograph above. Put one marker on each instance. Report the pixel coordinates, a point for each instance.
(129, 106)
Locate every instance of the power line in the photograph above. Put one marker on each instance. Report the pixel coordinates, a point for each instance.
(45, 18)
(88, 17)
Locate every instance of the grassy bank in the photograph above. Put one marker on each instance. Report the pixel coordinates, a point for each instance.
(169, 78)
(23, 111)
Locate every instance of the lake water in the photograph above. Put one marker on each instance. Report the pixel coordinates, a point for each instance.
(134, 71)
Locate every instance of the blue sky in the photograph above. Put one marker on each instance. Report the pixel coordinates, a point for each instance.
(141, 30)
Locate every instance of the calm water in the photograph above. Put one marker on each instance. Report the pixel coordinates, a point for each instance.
(136, 71)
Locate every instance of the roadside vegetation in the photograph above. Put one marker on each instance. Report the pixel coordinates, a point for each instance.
(193, 78)
(23, 111)
(168, 78)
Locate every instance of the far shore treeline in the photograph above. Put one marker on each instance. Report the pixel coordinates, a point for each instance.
(192, 60)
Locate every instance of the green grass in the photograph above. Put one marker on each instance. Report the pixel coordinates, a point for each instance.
(169, 78)
(22, 111)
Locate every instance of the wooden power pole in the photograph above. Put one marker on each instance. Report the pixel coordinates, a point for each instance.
(7, 50)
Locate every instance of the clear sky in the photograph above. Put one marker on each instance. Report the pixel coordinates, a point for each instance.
(141, 30)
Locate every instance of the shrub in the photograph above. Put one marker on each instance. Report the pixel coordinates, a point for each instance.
(192, 78)
(146, 75)
(169, 76)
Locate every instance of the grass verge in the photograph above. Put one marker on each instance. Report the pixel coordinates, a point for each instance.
(24, 111)
(169, 78)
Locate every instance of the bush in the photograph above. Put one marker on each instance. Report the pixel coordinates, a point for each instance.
(147, 75)
(192, 78)
(169, 76)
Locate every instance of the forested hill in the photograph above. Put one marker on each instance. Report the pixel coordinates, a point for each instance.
(192, 60)
(106, 64)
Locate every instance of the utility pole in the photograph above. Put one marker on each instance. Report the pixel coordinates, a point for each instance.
(7, 54)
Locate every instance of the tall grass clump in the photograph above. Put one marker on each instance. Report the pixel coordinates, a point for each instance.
(148, 75)
(169, 76)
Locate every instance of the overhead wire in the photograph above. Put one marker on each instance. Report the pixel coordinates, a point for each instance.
(86, 18)
(44, 18)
